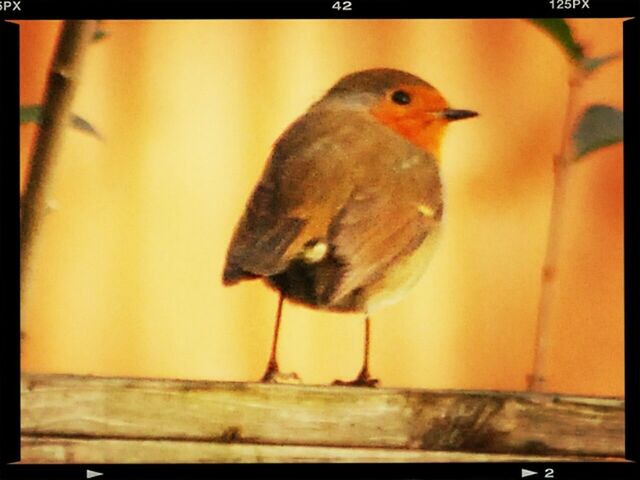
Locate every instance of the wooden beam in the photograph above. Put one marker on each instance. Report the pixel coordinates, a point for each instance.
(65, 450)
(257, 421)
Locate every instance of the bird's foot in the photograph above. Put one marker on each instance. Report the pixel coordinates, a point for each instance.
(362, 380)
(274, 375)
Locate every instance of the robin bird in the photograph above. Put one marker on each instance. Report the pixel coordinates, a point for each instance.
(348, 210)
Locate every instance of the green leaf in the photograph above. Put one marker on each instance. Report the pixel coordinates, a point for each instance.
(599, 126)
(100, 32)
(33, 114)
(30, 114)
(99, 35)
(592, 64)
(81, 124)
(561, 32)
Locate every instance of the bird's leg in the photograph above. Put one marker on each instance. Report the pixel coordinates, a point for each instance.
(272, 367)
(273, 374)
(363, 379)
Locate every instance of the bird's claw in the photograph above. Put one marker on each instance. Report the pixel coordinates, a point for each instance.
(276, 376)
(362, 380)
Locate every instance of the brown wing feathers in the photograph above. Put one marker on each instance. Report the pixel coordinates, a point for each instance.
(366, 219)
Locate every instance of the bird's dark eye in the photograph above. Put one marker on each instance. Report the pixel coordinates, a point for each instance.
(401, 97)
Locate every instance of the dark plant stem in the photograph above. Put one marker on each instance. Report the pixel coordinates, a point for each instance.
(561, 165)
(61, 85)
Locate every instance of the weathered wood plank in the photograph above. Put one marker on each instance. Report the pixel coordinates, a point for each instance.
(322, 416)
(65, 450)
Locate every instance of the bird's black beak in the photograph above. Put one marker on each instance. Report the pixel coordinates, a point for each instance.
(452, 114)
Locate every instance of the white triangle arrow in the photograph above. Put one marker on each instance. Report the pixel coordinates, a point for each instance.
(528, 473)
(91, 474)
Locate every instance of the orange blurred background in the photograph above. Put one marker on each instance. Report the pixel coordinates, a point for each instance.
(127, 268)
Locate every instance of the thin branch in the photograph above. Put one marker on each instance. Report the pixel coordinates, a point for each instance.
(561, 165)
(61, 85)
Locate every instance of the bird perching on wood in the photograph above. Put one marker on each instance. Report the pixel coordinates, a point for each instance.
(347, 212)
